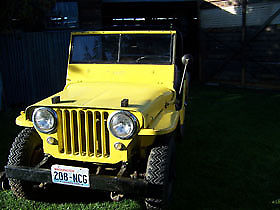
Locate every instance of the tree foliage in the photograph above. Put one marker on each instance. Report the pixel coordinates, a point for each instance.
(27, 15)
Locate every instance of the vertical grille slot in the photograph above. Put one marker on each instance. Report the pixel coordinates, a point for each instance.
(98, 145)
(60, 132)
(106, 135)
(90, 139)
(66, 131)
(83, 133)
(74, 133)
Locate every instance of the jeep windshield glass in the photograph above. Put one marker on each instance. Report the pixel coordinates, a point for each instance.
(122, 48)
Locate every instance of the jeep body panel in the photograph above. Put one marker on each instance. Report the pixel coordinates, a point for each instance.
(93, 91)
(113, 125)
(153, 106)
(149, 100)
(141, 74)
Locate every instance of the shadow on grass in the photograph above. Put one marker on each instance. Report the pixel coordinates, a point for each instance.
(230, 156)
(66, 194)
(60, 194)
(66, 197)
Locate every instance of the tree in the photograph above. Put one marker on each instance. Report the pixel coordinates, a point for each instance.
(27, 15)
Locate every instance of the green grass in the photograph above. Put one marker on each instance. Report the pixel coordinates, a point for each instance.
(8, 201)
(229, 158)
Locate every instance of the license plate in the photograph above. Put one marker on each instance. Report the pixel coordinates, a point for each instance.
(69, 175)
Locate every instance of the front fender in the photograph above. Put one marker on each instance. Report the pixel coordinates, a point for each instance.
(166, 122)
(22, 121)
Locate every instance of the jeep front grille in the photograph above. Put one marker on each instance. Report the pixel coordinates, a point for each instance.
(83, 132)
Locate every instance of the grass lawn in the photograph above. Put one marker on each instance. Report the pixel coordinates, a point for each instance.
(229, 158)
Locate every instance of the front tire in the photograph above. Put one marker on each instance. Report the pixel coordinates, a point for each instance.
(161, 171)
(27, 151)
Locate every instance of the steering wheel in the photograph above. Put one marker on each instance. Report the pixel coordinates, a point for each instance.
(158, 57)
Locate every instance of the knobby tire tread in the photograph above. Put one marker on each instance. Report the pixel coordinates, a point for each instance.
(156, 173)
(20, 156)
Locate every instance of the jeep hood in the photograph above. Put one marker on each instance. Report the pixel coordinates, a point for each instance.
(148, 100)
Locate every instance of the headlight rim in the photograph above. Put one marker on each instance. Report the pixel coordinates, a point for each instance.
(53, 113)
(134, 121)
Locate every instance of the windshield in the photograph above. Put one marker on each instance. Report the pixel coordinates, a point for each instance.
(122, 48)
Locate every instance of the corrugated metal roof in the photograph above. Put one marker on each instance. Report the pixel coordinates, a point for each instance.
(231, 16)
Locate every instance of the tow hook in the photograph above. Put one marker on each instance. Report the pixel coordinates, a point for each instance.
(4, 183)
(116, 196)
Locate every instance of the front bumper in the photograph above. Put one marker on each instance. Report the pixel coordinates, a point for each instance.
(124, 185)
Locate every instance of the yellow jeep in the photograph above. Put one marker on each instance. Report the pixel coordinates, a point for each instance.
(114, 124)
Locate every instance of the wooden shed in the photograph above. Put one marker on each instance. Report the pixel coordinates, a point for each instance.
(233, 41)
(239, 43)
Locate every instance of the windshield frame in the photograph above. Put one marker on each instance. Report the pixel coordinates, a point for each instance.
(171, 55)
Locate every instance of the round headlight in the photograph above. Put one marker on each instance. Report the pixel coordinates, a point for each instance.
(44, 119)
(122, 124)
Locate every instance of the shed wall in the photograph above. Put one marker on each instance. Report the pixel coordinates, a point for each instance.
(226, 59)
(231, 16)
(33, 65)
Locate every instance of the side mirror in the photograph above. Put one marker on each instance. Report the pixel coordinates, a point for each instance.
(186, 59)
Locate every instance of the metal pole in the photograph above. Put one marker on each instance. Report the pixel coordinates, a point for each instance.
(243, 41)
(199, 41)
